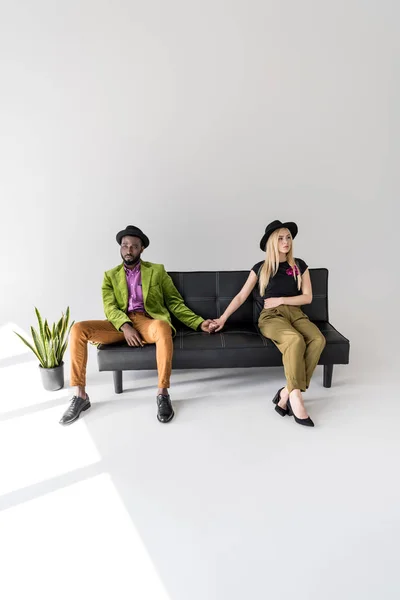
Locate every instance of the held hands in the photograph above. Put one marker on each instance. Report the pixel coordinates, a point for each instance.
(206, 326)
(272, 302)
(212, 325)
(132, 336)
(216, 325)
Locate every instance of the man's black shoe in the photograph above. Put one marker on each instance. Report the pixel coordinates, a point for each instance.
(72, 413)
(165, 411)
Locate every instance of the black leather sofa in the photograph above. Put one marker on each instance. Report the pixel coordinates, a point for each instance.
(239, 344)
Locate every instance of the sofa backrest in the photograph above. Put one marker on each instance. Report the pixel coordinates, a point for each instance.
(318, 309)
(208, 293)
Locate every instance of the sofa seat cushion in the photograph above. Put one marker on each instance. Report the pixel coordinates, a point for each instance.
(235, 346)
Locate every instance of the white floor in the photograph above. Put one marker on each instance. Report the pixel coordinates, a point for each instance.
(229, 501)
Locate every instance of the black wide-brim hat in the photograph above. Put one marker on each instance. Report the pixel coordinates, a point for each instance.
(136, 232)
(273, 227)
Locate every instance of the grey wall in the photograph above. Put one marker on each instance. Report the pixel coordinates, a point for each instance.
(200, 122)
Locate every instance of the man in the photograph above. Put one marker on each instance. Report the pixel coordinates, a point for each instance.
(138, 298)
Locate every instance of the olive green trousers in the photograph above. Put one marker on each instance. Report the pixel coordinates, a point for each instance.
(299, 340)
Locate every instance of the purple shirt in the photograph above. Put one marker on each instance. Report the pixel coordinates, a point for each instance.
(135, 293)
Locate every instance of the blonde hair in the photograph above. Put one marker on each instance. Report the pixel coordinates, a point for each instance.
(271, 263)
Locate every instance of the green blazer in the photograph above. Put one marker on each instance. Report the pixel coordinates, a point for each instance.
(160, 296)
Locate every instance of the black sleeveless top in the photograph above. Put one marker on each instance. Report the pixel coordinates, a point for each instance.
(282, 284)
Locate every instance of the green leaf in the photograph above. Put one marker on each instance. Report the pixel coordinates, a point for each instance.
(46, 340)
(57, 350)
(53, 357)
(39, 347)
(47, 331)
(70, 327)
(60, 326)
(63, 349)
(30, 347)
(65, 323)
(40, 321)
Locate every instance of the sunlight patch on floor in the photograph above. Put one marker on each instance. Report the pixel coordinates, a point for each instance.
(35, 448)
(77, 542)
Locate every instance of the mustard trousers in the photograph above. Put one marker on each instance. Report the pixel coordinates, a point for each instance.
(152, 331)
(300, 342)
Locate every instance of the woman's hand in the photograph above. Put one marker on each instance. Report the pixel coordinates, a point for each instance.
(272, 302)
(216, 325)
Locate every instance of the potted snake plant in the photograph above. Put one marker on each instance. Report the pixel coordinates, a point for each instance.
(49, 345)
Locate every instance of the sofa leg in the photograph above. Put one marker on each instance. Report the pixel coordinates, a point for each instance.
(117, 375)
(328, 371)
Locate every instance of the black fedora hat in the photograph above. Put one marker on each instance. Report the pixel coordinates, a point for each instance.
(273, 227)
(134, 231)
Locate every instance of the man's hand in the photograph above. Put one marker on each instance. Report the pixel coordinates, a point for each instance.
(132, 336)
(272, 302)
(206, 326)
(216, 325)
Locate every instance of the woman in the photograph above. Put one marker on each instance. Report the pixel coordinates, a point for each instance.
(284, 285)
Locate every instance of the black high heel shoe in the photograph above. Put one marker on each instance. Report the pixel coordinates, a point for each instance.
(281, 411)
(307, 422)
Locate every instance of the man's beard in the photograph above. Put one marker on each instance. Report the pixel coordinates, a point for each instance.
(130, 261)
